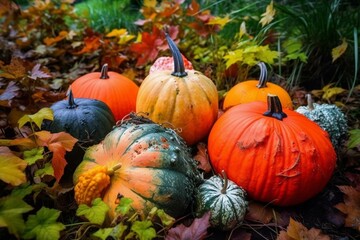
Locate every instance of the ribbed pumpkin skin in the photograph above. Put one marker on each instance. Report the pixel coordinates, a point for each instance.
(227, 209)
(248, 91)
(280, 162)
(188, 103)
(156, 168)
(117, 91)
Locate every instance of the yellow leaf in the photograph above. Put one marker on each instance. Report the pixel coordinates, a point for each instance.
(11, 168)
(339, 50)
(117, 32)
(268, 16)
(330, 92)
(219, 21)
(233, 57)
(242, 31)
(37, 118)
(150, 3)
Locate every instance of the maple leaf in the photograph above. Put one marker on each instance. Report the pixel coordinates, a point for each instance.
(58, 144)
(196, 231)
(37, 73)
(92, 43)
(202, 157)
(10, 92)
(268, 15)
(297, 231)
(350, 207)
(11, 167)
(15, 70)
(37, 118)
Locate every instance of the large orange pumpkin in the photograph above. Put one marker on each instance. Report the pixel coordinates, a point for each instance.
(114, 89)
(277, 155)
(256, 90)
(183, 100)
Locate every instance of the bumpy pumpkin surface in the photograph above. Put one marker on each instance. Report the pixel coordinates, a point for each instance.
(329, 117)
(167, 63)
(225, 200)
(281, 157)
(183, 100)
(114, 89)
(156, 169)
(256, 90)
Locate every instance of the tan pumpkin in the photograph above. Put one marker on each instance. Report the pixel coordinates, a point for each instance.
(186, 101)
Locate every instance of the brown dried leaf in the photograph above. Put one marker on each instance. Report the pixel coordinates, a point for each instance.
(202, 157)
(260, 213)
(297, 231)
(351, 206)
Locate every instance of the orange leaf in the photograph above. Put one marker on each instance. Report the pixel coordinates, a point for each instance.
(351, 206)
(50, 41)
(58, 143)
(91, 44)
(260, 213)
(297, 231)
(202, 157)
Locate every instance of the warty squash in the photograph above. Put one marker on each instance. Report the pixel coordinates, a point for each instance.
(150, 164)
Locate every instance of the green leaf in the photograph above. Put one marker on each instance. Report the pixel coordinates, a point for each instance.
(114, 233)
(43, 225)
(26, 189)
(46, 170)
(166, 219)
(33, 155)
(354, 139)
(266, 55)
(11, 210)
(37, 118)
(12, 169)
(96, 213)
(124, 206)
(103, 233)
(144, 230)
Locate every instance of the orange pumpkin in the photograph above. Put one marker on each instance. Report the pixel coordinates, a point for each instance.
(277, 155)
(114, 89)
(183, 100)
(256, 90)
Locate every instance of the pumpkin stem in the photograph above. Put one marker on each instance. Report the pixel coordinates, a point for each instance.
(274, 108)
(113, 169)
(179, 67)
(310, 101)
(263, 75)
(71, 101)
(104, 72)
(225, 185)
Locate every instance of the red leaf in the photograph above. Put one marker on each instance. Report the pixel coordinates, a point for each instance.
(196, 231)
(58, 144)
(148, 48)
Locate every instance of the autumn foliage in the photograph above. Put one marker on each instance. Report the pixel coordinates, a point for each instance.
(45, 46)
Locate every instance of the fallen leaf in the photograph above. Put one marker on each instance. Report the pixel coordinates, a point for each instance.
(350, 206)
(297, 231)
(58, 144)
(336, 52)
(196, 231)
(37, 73)
(202, 157)
(268, 15)
(260, 213)
(10, 92)
(12, 168)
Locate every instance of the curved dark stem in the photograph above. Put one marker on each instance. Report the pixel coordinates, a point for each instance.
(263, 75)
(71, 101)
(104, 72)
(274, 108)
(179, 68)
(310, 101)
(225, 185)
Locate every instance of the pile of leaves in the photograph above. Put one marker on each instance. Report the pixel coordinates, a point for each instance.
(46, 46)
